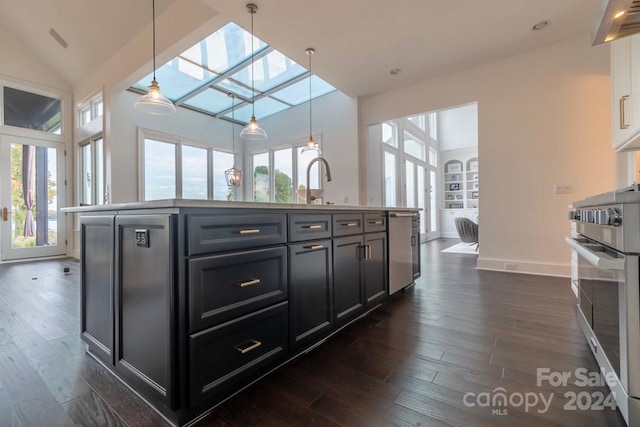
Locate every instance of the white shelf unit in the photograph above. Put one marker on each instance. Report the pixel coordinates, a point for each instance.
(461, 188)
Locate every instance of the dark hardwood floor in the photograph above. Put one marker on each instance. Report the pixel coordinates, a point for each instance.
(422, 359)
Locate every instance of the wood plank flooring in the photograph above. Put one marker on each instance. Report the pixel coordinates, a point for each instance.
(409, 363)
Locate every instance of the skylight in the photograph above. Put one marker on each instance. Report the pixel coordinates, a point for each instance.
(201, 77)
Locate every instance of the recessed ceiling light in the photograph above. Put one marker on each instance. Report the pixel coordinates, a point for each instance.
(395, 71)
(540, 25)
(618, 15)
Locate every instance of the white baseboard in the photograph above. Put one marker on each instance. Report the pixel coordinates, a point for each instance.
(524, 267)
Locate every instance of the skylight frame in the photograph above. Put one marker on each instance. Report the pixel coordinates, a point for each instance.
(230, 80)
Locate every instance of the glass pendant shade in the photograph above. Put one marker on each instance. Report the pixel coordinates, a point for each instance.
(233, 177)
(154, 102)
(252, 131)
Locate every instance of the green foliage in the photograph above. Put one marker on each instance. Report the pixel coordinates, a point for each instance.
(283, 185)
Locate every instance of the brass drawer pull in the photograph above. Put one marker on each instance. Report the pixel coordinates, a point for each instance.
(314, 247)
(623, 113)
(250, 345)
(250, 231)
(249, 283)
(351, 224)
(312, 226)
(375, 222)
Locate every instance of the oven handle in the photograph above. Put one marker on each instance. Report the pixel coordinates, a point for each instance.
(598, 261)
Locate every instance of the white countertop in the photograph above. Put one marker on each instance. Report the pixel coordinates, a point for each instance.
(190, 203)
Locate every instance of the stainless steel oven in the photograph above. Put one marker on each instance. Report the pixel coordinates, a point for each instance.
(608, 250)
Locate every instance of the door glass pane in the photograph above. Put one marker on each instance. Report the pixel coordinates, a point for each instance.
(433, 197)
(31, 111)
(410, 185)
(261, 178)
(221, 162)
(389, 179)
(283, 165)
(99, 185)
(421, 198)
(194, 172)
(34, 196)
(159, 170)
(87, 175)
(304, 158)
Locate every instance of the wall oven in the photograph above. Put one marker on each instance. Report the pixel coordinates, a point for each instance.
(608, 251)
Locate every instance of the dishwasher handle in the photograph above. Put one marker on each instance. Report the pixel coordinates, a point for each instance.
(402, 215)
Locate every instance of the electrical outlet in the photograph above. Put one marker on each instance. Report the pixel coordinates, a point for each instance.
(346, 199)
(511, 266)
(562, 189)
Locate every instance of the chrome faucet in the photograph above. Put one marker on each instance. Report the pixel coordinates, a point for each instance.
(327, 169)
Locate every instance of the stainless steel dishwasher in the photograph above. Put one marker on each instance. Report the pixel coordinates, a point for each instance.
(400, 250)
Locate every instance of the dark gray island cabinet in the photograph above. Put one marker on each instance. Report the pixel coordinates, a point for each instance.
(189, 302)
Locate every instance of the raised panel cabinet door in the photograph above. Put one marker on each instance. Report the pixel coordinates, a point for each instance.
(348, 277)
(145, 258)
(96, 284)
(621, 96)
(310, 291)
(375, 268)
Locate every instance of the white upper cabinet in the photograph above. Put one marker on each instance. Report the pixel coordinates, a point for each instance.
(625, 84)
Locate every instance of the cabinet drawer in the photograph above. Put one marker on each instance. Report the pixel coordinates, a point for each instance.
(222, 287)
(374, 222)
(309, 227)
(347, 223)
(227, 356)
(215, 233)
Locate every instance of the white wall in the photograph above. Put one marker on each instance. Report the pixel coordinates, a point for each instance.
(458, 127)
(543, 119)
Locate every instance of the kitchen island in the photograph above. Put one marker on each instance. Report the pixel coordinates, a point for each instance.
(189, 301)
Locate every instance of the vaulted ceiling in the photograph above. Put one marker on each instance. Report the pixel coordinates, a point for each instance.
(357, 43)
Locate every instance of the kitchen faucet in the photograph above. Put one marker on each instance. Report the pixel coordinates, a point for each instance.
(327, 169)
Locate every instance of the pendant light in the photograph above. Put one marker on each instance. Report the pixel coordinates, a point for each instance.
(311, 143)
(154, 102)
(233, 175)
(252, 131)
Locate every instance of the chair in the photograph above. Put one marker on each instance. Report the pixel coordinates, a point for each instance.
(467, 231)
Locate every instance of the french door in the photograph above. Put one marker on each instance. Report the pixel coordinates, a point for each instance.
(31, 193)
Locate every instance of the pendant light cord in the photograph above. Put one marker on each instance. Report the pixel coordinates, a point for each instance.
(310, 132)
(153, 13)
(253, 89)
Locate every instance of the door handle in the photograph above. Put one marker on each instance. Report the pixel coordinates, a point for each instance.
(5, 214)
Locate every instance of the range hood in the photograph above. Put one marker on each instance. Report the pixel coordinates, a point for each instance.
(618, 18)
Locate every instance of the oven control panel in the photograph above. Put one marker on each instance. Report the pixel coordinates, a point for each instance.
(601, 216)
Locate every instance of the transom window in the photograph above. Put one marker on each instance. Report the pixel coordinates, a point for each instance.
(201, 77)
(31, 110)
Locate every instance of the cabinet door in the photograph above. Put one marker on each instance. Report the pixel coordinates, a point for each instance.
(375, 271)
(348, 277)
(310, 291)
(96, 292)
(144, 310)
(621, 91)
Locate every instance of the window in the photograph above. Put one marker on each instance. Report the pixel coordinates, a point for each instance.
(413, 146)
(389, 179)
(261, 184)
(31, 111)
(418, 121)
(159, 170)
(274, 179)
(203, 75)
(92, 190)
(171, 169)
(390, 134)
(90, 110)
